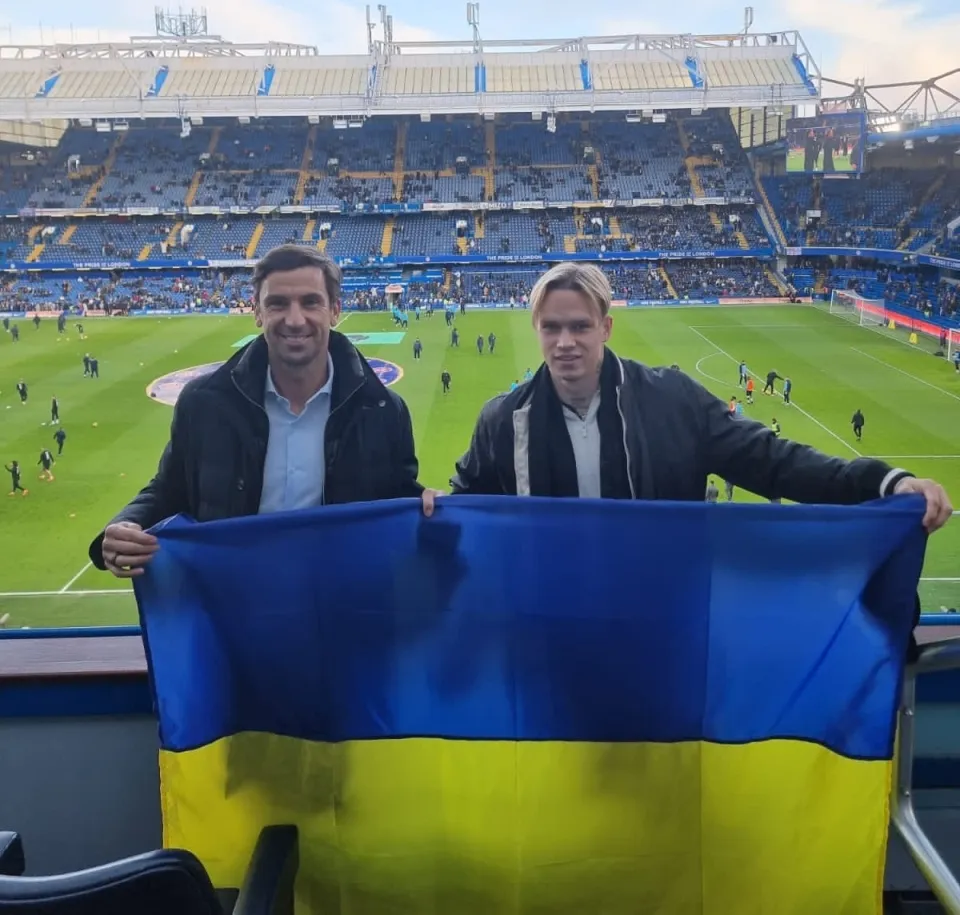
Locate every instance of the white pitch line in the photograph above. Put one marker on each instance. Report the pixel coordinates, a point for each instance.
(916, 457)
(671, 306)
(793, 403)
(902, 372)
(845, 322)
(66, 587)
(700, 371)
(752, 326)
(65, 593)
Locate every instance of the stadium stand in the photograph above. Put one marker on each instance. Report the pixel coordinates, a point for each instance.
(908, 290)
(496, 233)
(668, 199)
(889, 208)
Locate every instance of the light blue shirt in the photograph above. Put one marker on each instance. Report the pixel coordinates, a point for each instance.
(294, 470)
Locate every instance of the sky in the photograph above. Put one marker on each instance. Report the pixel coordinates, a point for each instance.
(881, 40)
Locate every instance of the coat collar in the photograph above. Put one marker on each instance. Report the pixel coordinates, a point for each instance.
(248, 369)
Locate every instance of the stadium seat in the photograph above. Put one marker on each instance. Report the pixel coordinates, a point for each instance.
(161, 883)
(11, 855)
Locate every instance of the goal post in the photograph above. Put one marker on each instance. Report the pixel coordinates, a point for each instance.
(858, 309)
(953, 345)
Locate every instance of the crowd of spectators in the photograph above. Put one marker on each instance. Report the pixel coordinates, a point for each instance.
(285, 162)
(916, 290)
(885, 208)
(711, 278)
(458, 161)
(120, 291)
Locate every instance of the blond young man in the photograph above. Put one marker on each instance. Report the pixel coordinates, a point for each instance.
(595, 425)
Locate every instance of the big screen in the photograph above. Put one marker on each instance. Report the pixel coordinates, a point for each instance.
(829, 144)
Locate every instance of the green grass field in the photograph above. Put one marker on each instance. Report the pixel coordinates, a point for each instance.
(795, 162)
(116, 432)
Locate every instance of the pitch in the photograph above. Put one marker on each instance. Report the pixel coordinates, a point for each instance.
(115, 431)
(796, 162)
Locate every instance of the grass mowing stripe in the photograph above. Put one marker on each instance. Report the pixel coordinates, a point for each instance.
(907, 374)
(793, 404)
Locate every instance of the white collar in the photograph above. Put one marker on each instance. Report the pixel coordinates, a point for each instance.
(326, 389)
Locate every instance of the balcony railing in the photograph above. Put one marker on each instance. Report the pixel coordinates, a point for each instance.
(934, 657)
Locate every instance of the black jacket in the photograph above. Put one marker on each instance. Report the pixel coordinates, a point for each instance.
(676, 435)
(212, 467)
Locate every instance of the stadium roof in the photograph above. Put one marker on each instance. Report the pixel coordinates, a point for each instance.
(206, 77)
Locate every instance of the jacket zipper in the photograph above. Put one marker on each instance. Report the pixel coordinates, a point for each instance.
(623, 426)
(236, 384)
(259, 406)
(344, 402)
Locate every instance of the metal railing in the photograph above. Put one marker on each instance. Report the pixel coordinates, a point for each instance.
(937, 656)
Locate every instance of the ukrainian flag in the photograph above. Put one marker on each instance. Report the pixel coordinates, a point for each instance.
(532, 706)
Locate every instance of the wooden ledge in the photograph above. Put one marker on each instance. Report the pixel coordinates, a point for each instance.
(122, 656)
(84, 656)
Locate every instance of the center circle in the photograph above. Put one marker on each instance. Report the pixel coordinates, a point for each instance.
(166, 389)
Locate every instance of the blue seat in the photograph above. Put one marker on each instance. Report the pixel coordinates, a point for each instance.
(168, 882)
(11, 854)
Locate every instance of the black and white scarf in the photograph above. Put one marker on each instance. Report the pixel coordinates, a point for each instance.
(552, 467)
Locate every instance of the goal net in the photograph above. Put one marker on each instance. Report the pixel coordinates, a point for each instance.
(952, 351)
(853, 307)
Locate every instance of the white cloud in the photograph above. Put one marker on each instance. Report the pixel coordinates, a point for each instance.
(47, 35)
(882, 42)
(332, 26)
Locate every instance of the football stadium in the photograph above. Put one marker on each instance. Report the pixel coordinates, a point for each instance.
(766, 230)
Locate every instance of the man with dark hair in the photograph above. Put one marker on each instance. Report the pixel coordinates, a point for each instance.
(14, 470)
(593, 425)
(295, 419)
(857, 422)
